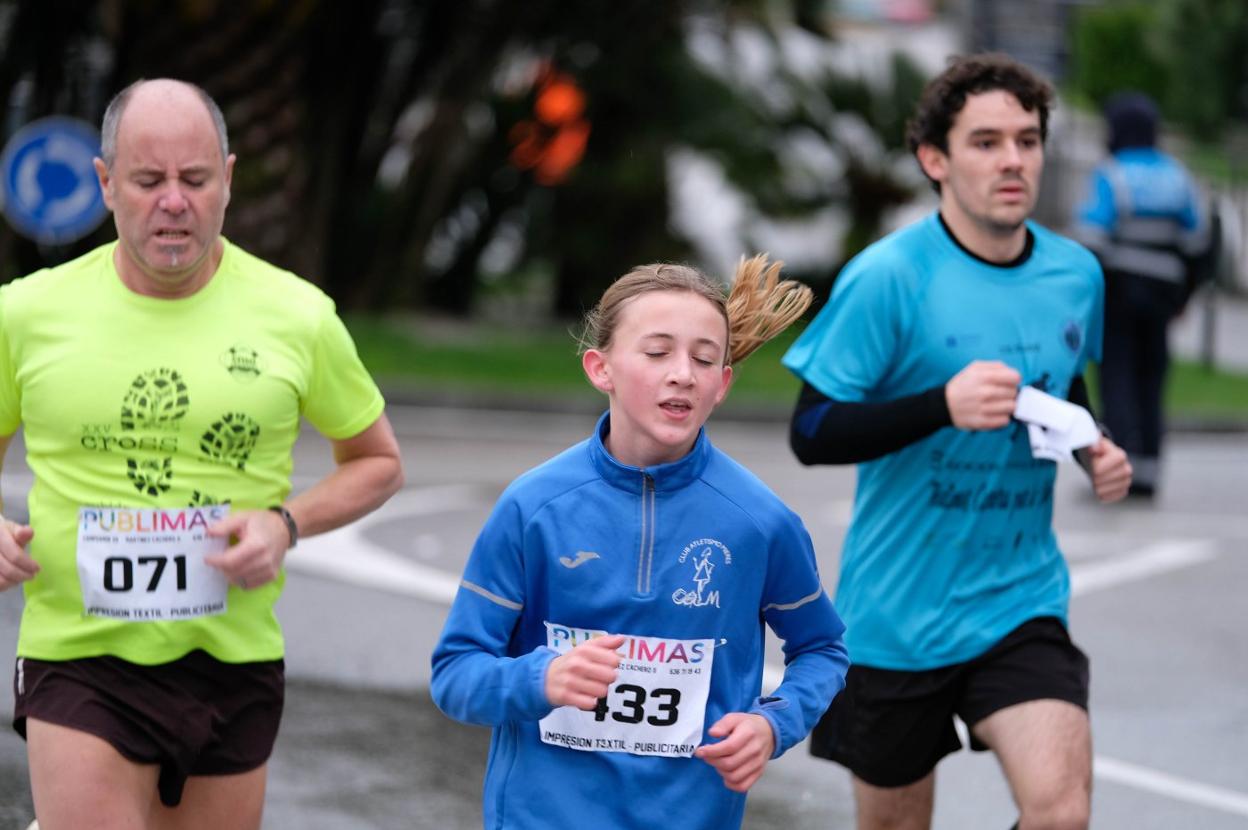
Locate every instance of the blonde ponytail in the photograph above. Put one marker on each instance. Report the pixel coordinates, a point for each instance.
(761, 305)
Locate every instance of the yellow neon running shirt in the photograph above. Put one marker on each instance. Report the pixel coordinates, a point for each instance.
(133, 401)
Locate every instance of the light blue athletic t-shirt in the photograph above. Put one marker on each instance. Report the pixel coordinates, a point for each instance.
(951, 544)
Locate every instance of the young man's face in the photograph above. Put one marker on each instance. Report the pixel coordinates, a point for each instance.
(990, 176)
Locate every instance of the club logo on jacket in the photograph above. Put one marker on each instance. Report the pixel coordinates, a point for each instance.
(703, 556)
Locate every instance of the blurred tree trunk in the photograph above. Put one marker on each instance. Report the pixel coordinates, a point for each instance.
(460, 47)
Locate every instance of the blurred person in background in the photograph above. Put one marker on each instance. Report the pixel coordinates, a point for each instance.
(953, 588)
(1144, 219)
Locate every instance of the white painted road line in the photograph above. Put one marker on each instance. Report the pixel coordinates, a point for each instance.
(347, 555)
(1147, 562)
(1084, 579)
(1142, 778)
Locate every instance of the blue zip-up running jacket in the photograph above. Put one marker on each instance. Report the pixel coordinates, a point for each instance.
(695, 550)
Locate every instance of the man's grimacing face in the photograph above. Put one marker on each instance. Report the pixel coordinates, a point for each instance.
(168, 186)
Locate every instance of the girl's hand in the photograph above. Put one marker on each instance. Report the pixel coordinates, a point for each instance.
(741, 756)
(583, 675)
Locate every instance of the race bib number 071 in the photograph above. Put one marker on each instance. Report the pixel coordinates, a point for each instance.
(143, 565)
(657, 705)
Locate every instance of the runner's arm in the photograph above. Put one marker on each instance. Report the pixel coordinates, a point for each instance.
(5, 440)
(828, 431)
(1107, 465)
(814, 672)
(799, 611)
(16, 565)
(474, 680)
(1078, 395)
(367, 472)
(477, 675)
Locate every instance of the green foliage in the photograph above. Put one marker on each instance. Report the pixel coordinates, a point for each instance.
(541, 363)
(1189, 55)
(1206, 61)
(872, 182)
(465, 357)
(886, 110)
(1114, 51)
(1196, 392)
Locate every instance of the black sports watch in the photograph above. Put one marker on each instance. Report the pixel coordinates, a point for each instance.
(291, 527)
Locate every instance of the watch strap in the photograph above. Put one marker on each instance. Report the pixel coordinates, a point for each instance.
(291, 527)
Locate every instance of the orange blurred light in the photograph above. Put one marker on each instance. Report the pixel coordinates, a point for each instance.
(563, 153)
(560, 101)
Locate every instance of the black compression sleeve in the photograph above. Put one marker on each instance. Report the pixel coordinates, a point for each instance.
(1078, 394)
(828, 431)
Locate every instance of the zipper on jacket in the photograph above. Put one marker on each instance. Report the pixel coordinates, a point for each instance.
(645, 556)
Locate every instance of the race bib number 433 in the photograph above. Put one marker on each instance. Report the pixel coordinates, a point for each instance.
(657, 705)
(142, 564)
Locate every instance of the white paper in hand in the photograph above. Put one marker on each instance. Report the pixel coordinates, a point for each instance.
(1055, 427)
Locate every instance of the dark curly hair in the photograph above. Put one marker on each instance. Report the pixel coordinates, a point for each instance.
(945, 96)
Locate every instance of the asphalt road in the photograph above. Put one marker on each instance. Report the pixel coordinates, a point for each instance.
(1158, 606)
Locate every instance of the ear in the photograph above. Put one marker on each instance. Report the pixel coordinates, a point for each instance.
(727, 384)
(597, 370)
(106, 182)
(229, 177)
(934, 161)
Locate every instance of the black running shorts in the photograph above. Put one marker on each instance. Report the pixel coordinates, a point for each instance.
(194, 716)
(890, 728)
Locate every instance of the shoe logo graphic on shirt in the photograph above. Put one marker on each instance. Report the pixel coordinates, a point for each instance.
(151, 476)
(199, 499)
(230, 439)
(702, 554)
(582, 556)
(156, 400)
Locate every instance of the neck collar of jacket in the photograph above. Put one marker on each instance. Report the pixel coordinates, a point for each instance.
(673, 476)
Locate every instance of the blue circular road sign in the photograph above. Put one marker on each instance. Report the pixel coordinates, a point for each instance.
(49, 189)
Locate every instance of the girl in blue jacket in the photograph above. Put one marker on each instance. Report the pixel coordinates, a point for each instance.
(609, 625)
